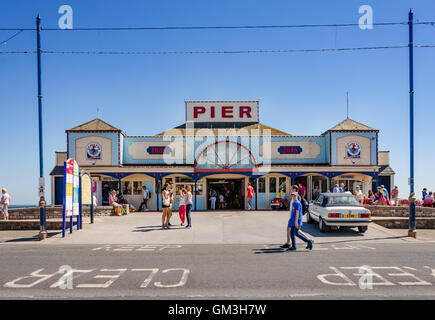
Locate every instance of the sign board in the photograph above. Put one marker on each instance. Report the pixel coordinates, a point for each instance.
(222, 111)
(71, 188)
(290, 150)
(86, 189)
(159, 150)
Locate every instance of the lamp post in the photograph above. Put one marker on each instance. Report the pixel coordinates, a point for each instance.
(412, 198)
(42, 203)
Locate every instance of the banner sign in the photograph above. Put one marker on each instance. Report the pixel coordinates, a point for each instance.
(86, 189)
(159, 150)
(71, 188)
(290, 150)
(222, 111)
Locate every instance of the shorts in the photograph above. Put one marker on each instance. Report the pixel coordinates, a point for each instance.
(165, 206)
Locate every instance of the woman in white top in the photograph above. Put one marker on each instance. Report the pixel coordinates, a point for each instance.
(182, 206)
(188, 206)
(165, 206)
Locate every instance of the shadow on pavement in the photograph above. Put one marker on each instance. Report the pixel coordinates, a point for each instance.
(156, 228)
(30, 239)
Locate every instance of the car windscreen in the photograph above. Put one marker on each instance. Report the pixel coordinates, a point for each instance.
(342, 201)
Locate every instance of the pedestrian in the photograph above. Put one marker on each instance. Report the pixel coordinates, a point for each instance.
(424, 193)
(5, 203)
(146, 196)
(342, 189)
(213, 196)
(171, 202)
(371, 197)
(316, 192)
(188, 206)
(380, 197)
(165, 206)
(294, 225)
(113, 201)
(386, 193)
(302, 190)
(395, 196)
(359, 195)
(221, 201)
(336, 188)
(250, 195)
(182, 206)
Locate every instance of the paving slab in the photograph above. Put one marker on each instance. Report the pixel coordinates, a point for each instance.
(263, 227)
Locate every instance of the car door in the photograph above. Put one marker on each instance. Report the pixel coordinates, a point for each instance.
(317, 206)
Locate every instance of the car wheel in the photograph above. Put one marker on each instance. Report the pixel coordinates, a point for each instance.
(362, 229)
(322, 226)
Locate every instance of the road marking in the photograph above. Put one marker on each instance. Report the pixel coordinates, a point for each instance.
(150, 277)
(34, 274)
(181, 283)
(340, 279)
(108, 283)
(137, 247)
(71, 274)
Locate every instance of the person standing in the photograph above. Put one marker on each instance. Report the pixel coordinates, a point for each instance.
(359, 195)
(182, 206)
(188, 206)
(5, 202)
(146, 196)
(294, 224)
(341, 189)
(424, 193)
(302, 190)
(250, 195)
(395, 196)
(336, 188)
(316, 192)
(386, 193)
(165, 206)
(171, 201)
(213, 196)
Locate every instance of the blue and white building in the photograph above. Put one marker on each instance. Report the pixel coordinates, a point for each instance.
(223, 146)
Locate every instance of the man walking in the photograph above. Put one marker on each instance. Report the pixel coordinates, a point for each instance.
(5, 203)
(250, 195)
(146, 196)
(295, 224)
(213, 196)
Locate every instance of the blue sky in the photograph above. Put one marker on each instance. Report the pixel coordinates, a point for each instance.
(300, 93)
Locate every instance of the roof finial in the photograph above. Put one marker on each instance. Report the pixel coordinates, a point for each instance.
(347, 105)
(98, 112)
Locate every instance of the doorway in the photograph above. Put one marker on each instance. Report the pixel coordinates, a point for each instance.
(229, 192)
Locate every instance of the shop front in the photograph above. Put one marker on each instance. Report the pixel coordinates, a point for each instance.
(220, 150)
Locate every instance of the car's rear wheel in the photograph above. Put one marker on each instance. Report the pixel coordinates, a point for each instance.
(322, 226)
(362, 229)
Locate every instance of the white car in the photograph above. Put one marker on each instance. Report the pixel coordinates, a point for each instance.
(338, 210)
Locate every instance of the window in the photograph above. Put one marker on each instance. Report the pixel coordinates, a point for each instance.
(272, 185)
(319, 201)
(282, 184)
(126, 187)
(183, 180)
(261, 185)
(137, 187)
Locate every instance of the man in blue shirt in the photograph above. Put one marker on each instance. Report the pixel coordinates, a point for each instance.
(295, 224)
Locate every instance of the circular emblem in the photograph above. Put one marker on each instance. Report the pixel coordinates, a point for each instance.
(93, 151)
(353, 150)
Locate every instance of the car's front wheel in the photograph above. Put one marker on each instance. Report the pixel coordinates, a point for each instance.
(309, 219)
(322, 226)
(362, 229)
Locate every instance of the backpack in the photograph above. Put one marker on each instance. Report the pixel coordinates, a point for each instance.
(304, 204)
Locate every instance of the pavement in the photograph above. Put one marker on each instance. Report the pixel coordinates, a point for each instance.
(224, 227)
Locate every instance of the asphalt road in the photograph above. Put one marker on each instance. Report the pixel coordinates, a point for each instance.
(400, 270)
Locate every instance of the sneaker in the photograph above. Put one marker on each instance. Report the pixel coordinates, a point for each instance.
(291, 249)
(285, 245)
(169, 224)
(310, 245)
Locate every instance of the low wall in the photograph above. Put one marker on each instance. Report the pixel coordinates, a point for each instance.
(33, 224)
(54, 212)
(399, 211)
(403, 223)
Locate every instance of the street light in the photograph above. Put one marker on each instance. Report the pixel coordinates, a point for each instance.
(42, 203)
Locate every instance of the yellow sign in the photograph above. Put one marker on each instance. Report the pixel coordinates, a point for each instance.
(86, 189)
